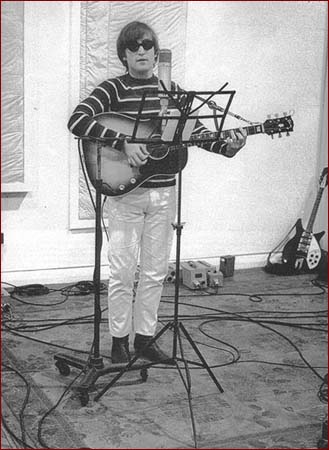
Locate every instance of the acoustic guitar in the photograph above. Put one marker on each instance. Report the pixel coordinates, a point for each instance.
(119, 177)
(303, 253)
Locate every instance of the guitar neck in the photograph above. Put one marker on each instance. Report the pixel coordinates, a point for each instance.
(315, 208)
(250, 130)
(253, 129)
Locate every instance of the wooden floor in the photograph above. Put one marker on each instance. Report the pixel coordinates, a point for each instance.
(263, 337)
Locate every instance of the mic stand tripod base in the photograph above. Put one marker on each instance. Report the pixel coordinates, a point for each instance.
(95, 369)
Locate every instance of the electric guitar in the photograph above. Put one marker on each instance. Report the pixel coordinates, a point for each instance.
(119, 177)
(302, 252)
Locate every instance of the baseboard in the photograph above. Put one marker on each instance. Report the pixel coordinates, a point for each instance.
(51, 276)
(75, 274)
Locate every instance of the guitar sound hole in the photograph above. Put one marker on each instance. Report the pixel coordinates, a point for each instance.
(158, 151)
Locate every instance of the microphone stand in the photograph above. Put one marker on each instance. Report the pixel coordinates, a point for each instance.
(94, 367)
(177, 327)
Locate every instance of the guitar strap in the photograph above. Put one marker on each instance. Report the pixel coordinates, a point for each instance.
(279, 268)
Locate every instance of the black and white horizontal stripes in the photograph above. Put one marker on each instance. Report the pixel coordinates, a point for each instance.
(123, 94)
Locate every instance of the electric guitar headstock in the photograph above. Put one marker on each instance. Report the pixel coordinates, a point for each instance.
(278, 125)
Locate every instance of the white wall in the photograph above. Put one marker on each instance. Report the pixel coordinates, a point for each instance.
(273, 56)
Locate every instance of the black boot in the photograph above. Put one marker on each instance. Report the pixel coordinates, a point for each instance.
(152, 352)
(120, 350)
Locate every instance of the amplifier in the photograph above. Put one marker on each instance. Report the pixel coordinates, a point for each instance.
(171, 275)
(215, 278)
(194, 274)
(226, 265)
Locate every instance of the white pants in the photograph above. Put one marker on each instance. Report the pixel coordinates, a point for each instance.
(140, 226)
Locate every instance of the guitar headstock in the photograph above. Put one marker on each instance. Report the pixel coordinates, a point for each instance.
(323, 182)
(278, 125)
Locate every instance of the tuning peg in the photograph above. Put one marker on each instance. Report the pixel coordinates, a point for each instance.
(276, 115)
(268, 116)
(288, 134)
(280, 135)
(272, 136)
(285, 113)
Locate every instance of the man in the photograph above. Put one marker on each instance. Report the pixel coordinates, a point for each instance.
(140, 222)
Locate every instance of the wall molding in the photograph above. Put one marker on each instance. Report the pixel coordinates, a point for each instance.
(78, 273)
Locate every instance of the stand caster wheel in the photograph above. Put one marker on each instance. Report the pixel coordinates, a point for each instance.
(84, 397)
(63, 368)
(144, 374)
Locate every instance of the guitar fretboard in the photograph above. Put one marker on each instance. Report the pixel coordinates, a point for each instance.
(309, 226)
(254, 129)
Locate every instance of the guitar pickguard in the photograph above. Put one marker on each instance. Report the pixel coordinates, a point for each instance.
(314, 254)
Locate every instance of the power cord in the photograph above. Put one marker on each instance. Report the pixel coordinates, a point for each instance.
(323, 390)
(31, 290)
(83, 288)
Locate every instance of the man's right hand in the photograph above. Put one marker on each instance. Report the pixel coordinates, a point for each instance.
(136, 154)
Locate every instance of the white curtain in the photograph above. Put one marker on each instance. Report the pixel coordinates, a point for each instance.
(12, 99)
(101, 23)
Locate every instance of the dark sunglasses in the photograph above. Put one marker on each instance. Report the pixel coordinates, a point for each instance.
(133, 46)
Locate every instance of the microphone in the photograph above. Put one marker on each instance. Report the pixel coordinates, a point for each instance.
(164, 75)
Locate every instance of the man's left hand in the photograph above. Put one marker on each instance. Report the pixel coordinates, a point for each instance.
(235, 142)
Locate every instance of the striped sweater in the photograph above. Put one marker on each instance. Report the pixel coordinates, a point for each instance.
(123, 95)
